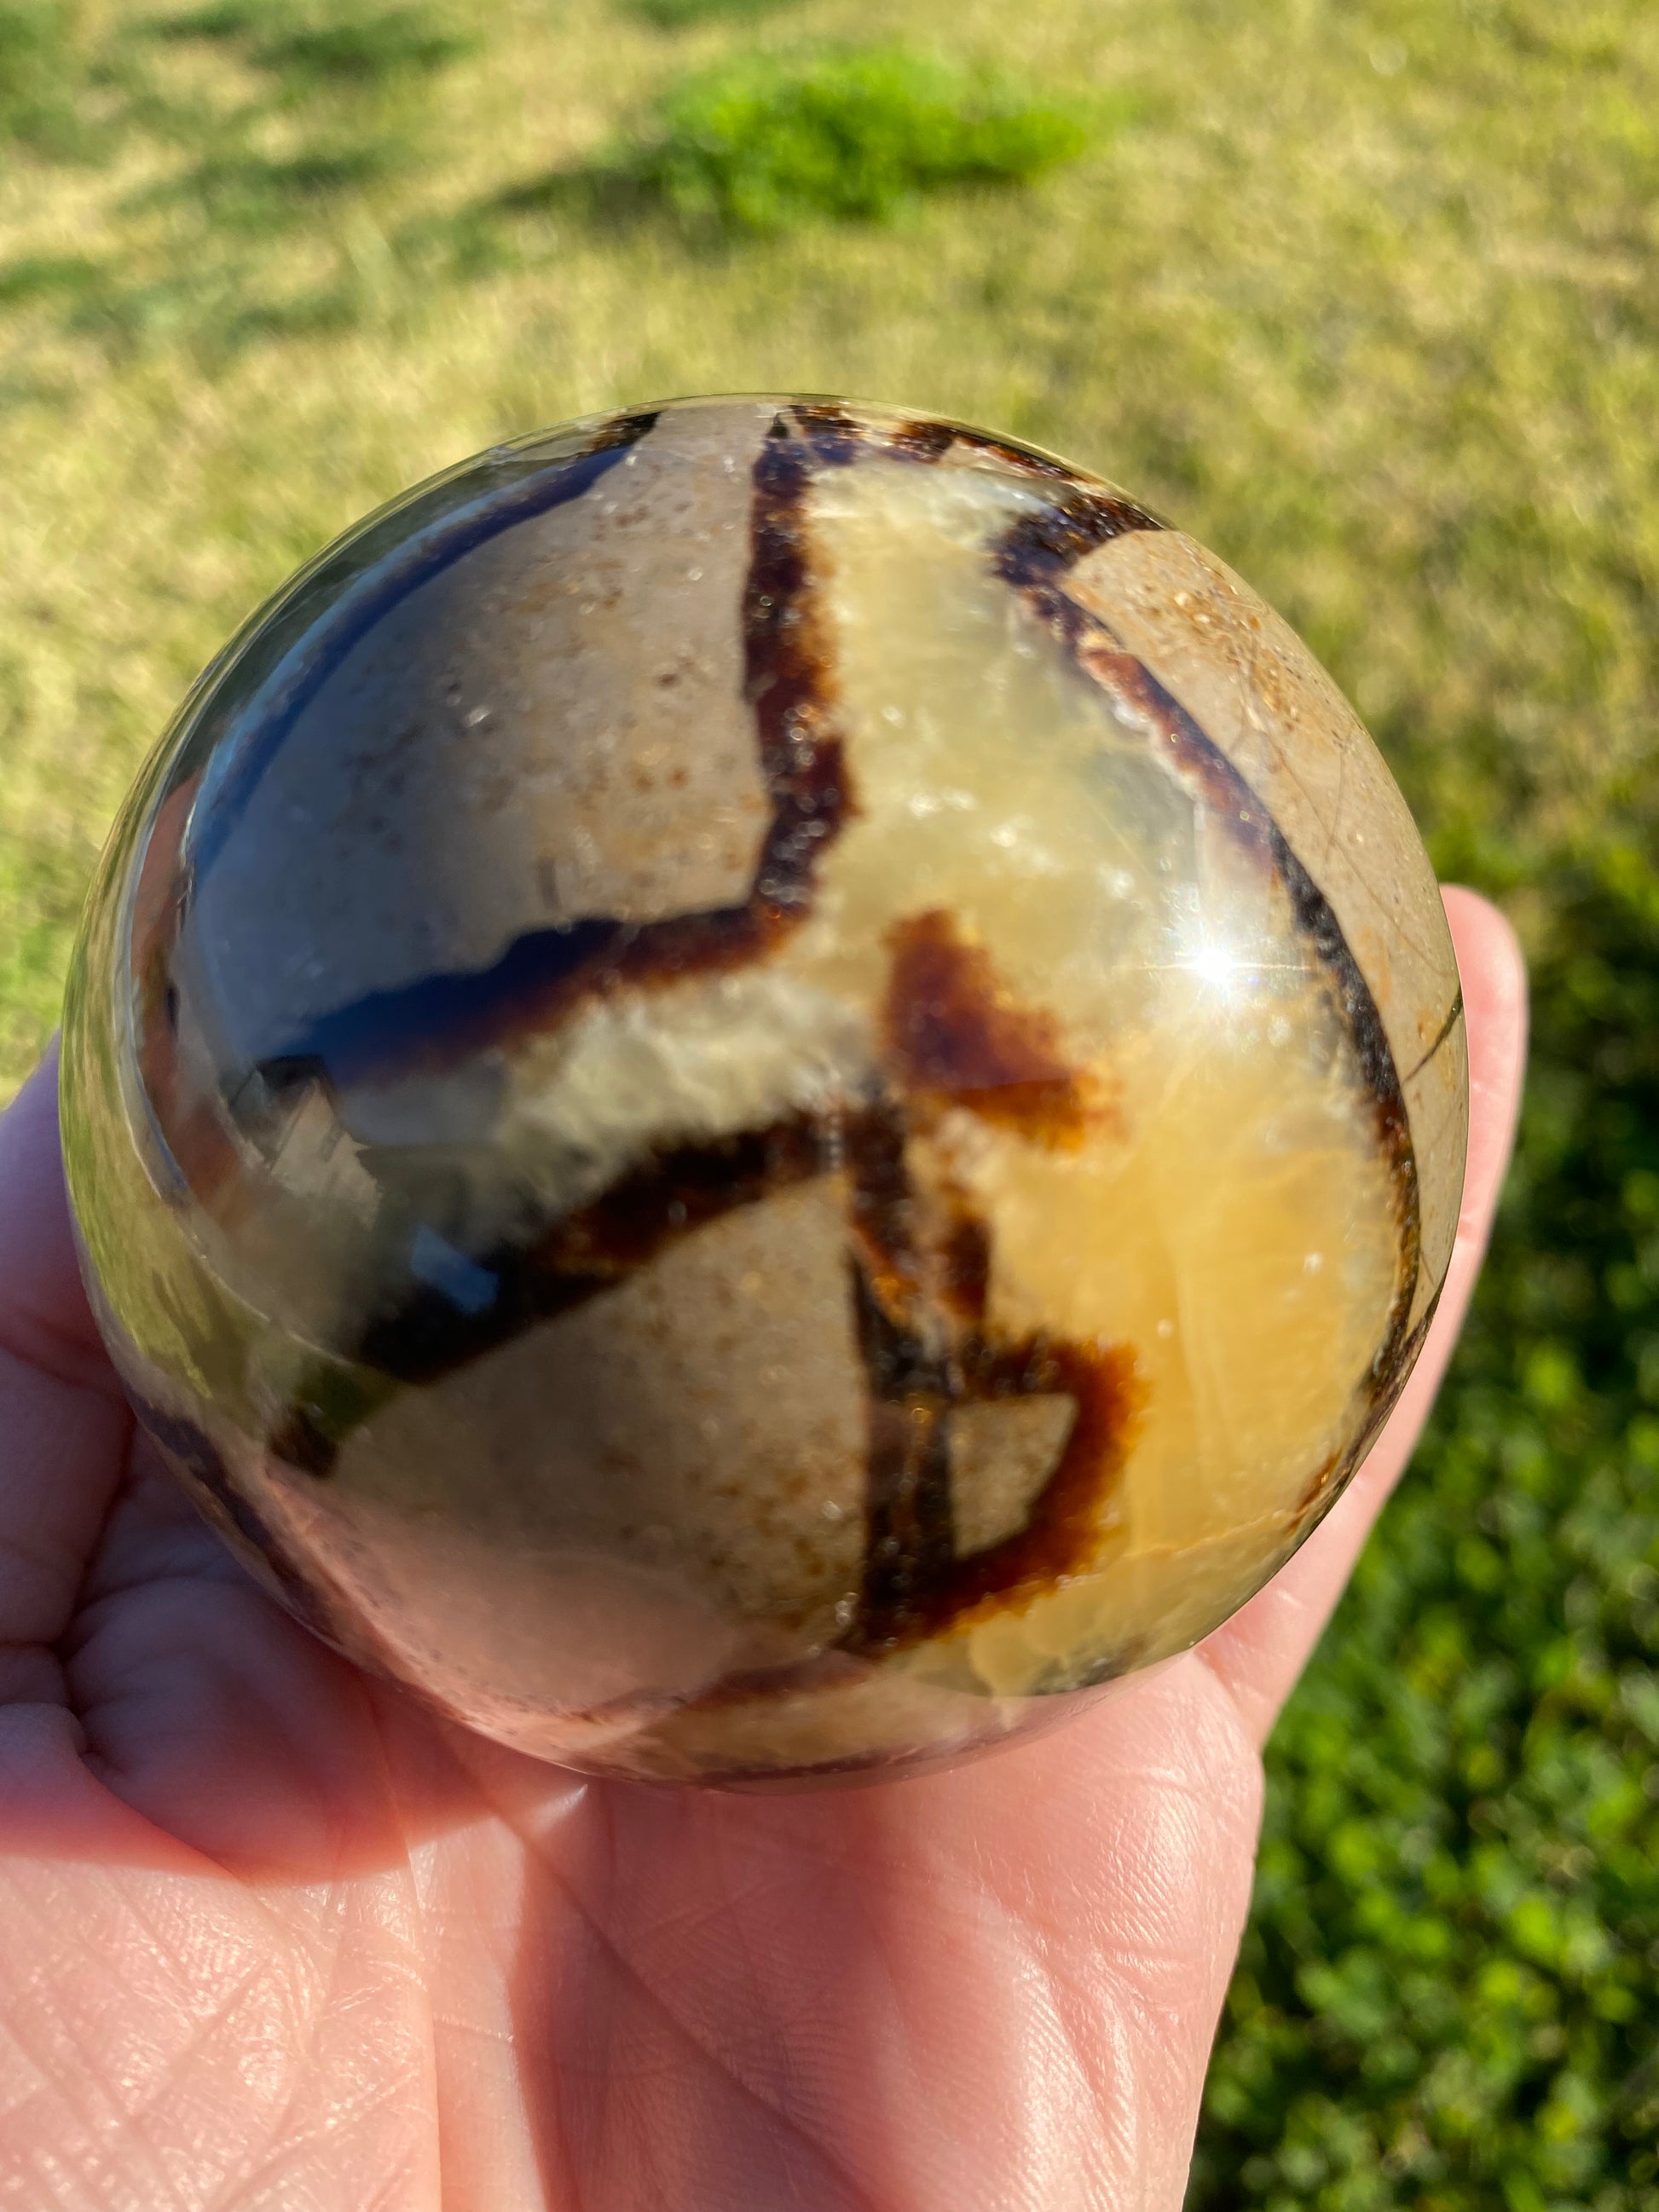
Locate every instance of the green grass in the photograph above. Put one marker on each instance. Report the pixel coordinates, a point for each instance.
(766, 143)
(1366, 293)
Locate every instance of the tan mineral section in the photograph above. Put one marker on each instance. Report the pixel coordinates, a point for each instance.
(808, 1094)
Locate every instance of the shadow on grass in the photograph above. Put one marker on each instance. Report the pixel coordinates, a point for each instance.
(73, 85)
(213, 309)
(686, 14)
(239, 189)
(62, 277)
(522, 227)
(313, 48)
(46, 66)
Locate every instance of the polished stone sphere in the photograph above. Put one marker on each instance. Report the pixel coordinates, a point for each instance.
(757, 1085)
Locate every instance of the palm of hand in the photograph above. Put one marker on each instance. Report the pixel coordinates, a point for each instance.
(270, 1936)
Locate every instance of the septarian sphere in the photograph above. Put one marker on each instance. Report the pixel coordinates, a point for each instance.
(757, 1084)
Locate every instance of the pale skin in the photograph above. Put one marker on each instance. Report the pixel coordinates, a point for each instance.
(271, 1938)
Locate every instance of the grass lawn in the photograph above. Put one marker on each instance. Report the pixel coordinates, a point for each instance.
(1364, 291)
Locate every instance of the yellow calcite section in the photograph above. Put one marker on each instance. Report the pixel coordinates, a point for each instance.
(1268, 705)
(1232, 1219)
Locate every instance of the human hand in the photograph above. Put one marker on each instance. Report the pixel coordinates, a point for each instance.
(273, 1939)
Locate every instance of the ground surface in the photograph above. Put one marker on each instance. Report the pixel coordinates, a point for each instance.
(1366, 295)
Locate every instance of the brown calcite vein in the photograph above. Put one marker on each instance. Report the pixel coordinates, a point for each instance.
(924, 1374)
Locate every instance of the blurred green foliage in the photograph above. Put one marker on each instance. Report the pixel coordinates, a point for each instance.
(1447, 1998)
(764, 143)
(1366, 292)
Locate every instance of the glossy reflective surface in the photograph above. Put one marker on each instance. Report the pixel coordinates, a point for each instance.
(757, 1082)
